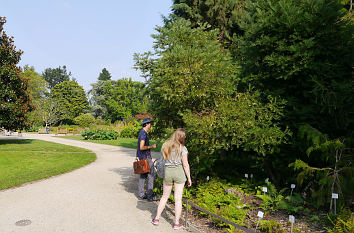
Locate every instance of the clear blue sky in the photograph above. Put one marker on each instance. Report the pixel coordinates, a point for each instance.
(84, 35)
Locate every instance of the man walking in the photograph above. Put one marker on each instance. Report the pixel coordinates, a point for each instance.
(143, 152)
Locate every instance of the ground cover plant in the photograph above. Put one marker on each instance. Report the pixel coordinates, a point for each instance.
(28, 160)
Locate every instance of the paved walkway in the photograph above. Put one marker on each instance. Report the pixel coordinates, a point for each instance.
(97, 198)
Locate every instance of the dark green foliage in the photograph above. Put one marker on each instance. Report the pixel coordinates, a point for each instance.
(104, 75)
(15, 99)
(292, 204)
(301, 51)
(100, 135)
(219, 14)
(55, 76)
(190, 72)
(71, 100)
(124, 98)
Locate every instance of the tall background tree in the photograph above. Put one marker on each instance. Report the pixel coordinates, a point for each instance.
(71, 100)
(38, 90)
(15, 99)
(55, 76)
(124, 98)
(104, 75)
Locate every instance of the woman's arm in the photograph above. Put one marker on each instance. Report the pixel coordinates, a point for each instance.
(186, 169)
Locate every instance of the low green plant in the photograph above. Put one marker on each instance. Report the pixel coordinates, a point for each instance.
(85, 120)
(292, 204)
(270, 227)
(100, 135)
(213, 197)
(130, 131)
(344, 223)
(270, 200)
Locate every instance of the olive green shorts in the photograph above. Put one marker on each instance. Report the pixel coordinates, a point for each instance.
(174, 174)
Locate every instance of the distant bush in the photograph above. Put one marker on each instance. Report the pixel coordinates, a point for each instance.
(130, 131)
(100, 135)
(85, 120)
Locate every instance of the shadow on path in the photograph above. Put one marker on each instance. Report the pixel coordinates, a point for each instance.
(129, 181)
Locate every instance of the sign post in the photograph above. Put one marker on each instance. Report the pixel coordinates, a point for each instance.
(292, 220)
(260, 216)
(292, 188)
(335, 197)
(264, 189)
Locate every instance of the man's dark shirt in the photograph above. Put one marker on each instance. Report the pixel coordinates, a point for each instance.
(143, 154)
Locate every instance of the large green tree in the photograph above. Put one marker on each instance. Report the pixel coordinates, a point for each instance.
(192, 83)
(71, 100)
(15, 99)
(301, 51)
(190, 72)
(55, 76)
(124, 98)
(38, 90)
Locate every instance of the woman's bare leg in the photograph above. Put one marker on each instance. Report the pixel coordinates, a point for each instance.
(166, 194)
(178, 201)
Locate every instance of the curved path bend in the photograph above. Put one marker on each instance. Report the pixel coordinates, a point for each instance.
(97, 198)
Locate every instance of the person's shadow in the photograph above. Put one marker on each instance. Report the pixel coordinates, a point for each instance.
(129, 181)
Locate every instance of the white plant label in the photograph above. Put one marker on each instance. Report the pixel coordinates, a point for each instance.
(246, 175)
(266, 180)
(293, 186)
(260, 214)
(335, 195)
(291, 219)
(208, 178)
(251, 175)
(264, 189)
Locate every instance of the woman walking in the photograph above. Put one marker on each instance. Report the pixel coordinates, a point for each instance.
(175, 155)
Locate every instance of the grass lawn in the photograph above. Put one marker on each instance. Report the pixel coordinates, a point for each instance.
(124, 142)
(27, 160)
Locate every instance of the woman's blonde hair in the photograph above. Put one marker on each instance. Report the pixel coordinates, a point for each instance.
(176, 142)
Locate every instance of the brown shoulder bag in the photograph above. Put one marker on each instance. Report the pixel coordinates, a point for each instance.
(141, 166)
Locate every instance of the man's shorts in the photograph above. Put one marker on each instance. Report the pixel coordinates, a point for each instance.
(174, 174)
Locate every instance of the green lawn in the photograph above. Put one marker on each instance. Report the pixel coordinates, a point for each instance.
(124, 142)
(27, 160)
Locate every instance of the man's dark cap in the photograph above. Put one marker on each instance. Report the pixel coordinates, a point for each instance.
(147, 120)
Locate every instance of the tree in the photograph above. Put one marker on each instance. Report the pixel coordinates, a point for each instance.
(38, 90)
(55, 76)
(98, 107)
(15, 99)
(124, 98)
(223, 15)
(301, 51)
(193, 84)
(71, 99)
(187, 70)
(104, 75)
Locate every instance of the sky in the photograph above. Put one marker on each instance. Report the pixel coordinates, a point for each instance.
(84, 35)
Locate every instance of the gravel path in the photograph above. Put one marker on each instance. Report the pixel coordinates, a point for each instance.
(97, 198)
